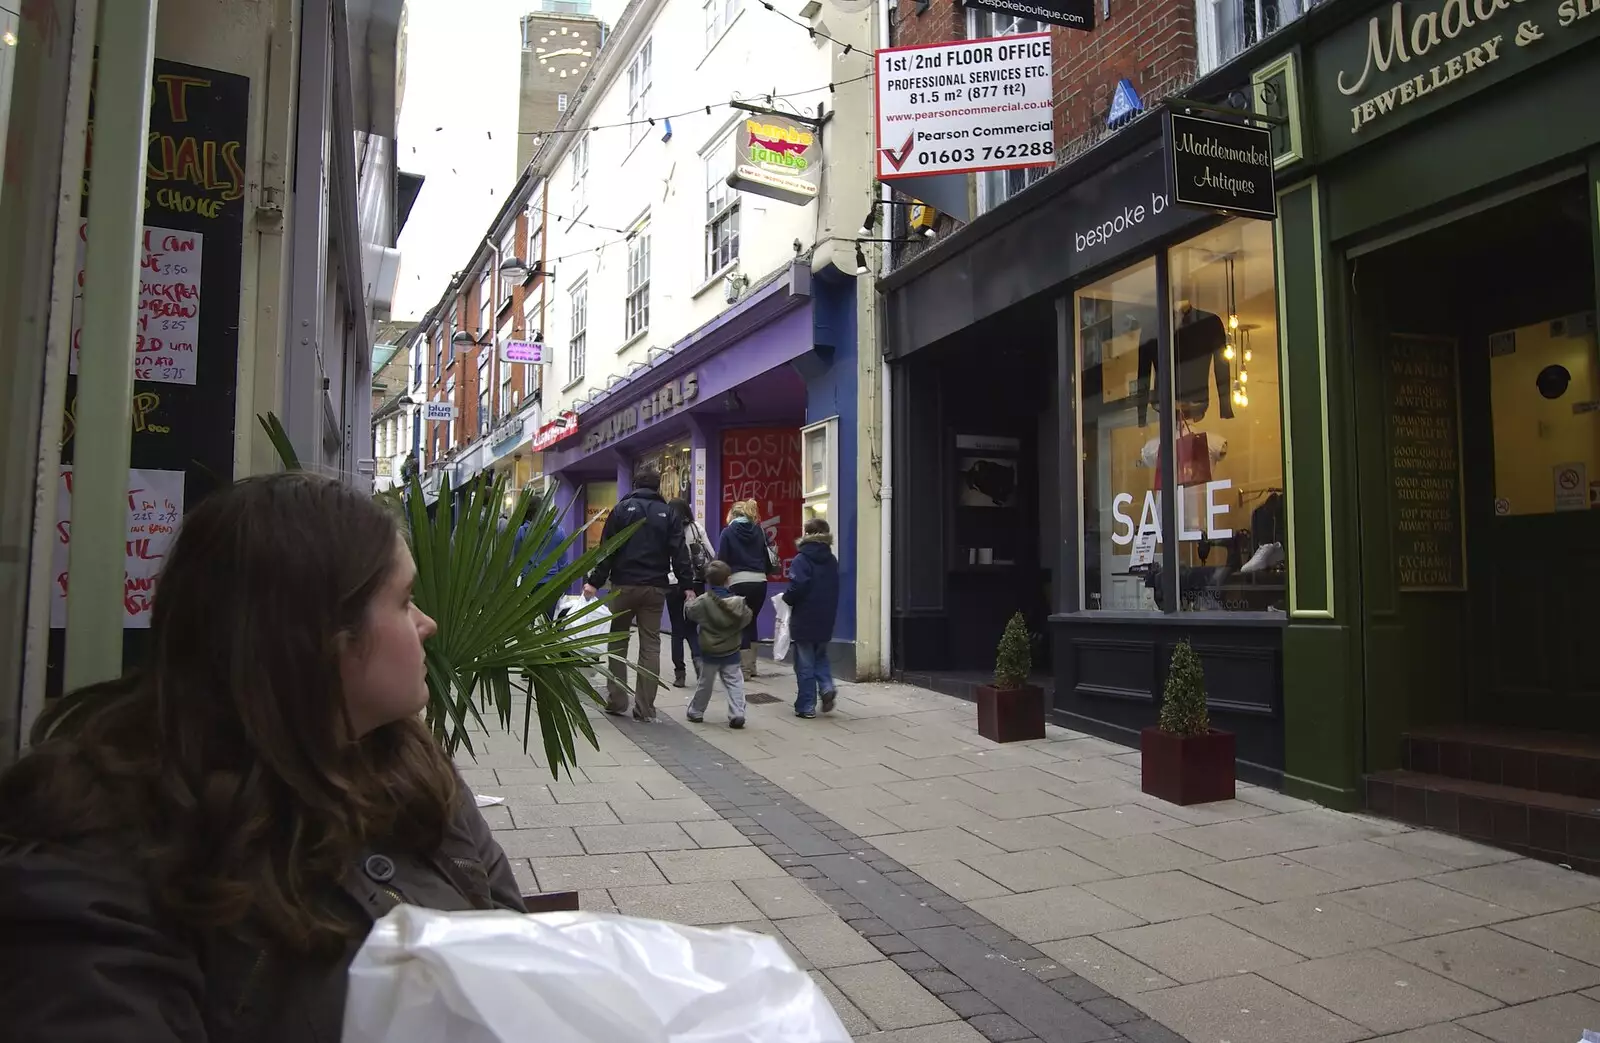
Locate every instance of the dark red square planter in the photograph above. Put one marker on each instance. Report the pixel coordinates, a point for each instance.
(1011, 714)
(1186, 769)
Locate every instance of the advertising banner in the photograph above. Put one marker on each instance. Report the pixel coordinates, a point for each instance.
(956, 108)
(763, 464)
(778, 157)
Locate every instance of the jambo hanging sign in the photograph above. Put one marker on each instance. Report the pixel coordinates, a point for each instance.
(778, 157)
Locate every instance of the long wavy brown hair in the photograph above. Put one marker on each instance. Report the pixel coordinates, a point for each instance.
(229, 766)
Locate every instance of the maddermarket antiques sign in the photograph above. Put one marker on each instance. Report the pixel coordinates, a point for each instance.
(1414, 57)
(777, 157)
(668, 398)
(1220, 166)
(1423, 418)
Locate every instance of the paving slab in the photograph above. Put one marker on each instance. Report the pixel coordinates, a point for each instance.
(1558, 1019)
(1141, 853)
(1199, 948)
(1025, 834)
(590, 792)
(536, 816)
(1039, 869)
(656, 836)
(715, 834)
(946, 1032)
(687, 867)
(685, 809)
(1495, 964)
(1445, 849)
(1246, 838)
(1316, 927)
(1120, 821)
(713, 902)
(1108, 967)
(1060, 912)
(828, 942)
(1423, 907)
(1379, 991)
(782, 897)
(1270, 878)
(960, 880)
(1363, 863)
(1166, 896)
(1105, 793)
(934, 814)
(1571, 932)
(1525, 885)
(590, 871)
(934, 845)
(1245, 1008)
(1449, 1033)
(1014, 804)
(856, 1023)
(528, 843)
(889, 996)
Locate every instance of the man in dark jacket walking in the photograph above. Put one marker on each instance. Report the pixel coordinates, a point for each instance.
(638, 576)
(813, 595)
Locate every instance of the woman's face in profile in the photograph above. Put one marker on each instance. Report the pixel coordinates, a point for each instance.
(382, 668)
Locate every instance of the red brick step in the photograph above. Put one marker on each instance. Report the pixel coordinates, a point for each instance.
(1550, 762)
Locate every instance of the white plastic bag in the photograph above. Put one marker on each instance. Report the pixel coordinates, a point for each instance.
(595, 621)
(780, 628)
(502, 977)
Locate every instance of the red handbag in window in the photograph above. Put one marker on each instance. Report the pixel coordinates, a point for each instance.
(1194, 457)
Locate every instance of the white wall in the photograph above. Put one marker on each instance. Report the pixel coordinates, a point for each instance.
(634, 175)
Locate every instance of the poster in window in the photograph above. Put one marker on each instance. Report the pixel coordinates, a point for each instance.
(763, 464)
(987, 481)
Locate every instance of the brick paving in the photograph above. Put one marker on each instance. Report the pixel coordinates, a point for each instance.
(943, 889)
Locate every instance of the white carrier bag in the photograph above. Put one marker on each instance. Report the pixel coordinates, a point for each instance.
(503, 977)
(780, 628)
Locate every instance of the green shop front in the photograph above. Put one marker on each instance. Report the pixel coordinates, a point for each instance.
(1438, 170)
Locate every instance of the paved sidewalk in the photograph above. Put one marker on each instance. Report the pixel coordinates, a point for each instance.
(944, 889)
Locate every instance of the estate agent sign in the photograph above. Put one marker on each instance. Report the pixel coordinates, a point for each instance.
(1414, 57)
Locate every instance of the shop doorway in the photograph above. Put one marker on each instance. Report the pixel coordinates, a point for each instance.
(1478, 434)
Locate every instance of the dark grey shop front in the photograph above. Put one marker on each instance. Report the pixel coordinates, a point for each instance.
(1057, 363)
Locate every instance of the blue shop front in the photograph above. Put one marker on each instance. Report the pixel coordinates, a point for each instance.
(728, 414)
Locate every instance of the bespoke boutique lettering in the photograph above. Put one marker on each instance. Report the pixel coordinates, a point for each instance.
(1399, 42)
(668, 397)
(1118, 223)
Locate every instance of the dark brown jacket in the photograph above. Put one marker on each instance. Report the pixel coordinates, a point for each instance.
(84, 958)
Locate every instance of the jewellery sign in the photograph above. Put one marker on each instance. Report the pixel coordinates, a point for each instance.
(669, 397)
(957, 108)
(777, 157)
(1410, 59)
(1221, 166)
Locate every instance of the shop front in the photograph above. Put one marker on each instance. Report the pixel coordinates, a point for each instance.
(1057, 365)
(1437, 253)
(720, 417)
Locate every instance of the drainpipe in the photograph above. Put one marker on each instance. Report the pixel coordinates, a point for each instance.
(886, 430)
(113, 255)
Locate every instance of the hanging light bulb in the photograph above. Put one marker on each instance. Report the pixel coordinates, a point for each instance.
(1238, 398)
(1244, 399)
(1233, 322)
(1227, 352)
(1248, 355)
(1244, 376)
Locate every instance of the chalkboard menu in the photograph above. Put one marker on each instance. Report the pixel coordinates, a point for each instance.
(1422, 399)
(186, 342)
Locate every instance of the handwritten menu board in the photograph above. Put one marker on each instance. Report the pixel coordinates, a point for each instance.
(186, 338)
(1422, 396)
(169, 305)
(763, 464)
(155, 504)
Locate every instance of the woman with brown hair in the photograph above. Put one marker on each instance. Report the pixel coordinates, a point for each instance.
(195, 853)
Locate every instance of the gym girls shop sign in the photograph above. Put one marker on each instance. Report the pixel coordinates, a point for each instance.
(668, 398)
(1411, 59)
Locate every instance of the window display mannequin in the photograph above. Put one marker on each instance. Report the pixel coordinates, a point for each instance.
(1199, 338)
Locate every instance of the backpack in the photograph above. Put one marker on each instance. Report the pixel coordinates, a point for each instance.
(699, 553)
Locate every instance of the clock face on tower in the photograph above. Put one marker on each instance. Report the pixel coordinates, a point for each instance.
(564, 53)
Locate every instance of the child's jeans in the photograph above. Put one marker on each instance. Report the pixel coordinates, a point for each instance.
(812, 672)
(732, 679)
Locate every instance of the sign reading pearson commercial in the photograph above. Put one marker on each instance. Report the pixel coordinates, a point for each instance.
(1221, 166)
(778, 157)
(958, 108)
(1410, 59)
(1074, 14)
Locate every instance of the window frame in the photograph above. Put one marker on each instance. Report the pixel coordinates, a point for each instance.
(722, 205)
(641, 77)
(578, 331)
(485, 392)
(450, 425)
(636, 302)
(580, 172)
(719, 18)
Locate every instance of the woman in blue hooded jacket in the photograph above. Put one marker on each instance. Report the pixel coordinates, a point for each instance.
(743, 545)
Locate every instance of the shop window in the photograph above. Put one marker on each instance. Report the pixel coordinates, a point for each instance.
(1544, 391)
(638, 300)
(674, 463)
(639, 80)
(599, 499)
(719, 15)
(722, 211)
(1226, 449)
(1226, 28)
(484, 388)
(578, 346)
(1116, 333)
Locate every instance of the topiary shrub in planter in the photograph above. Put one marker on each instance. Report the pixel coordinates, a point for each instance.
(1183, 759)
(1011, 709)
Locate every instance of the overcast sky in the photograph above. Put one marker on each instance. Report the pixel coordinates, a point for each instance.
(462, 70)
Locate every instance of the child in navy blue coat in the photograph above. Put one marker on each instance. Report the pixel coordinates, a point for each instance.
(813, 595)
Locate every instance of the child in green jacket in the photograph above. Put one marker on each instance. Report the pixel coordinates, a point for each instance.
(722, 617)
